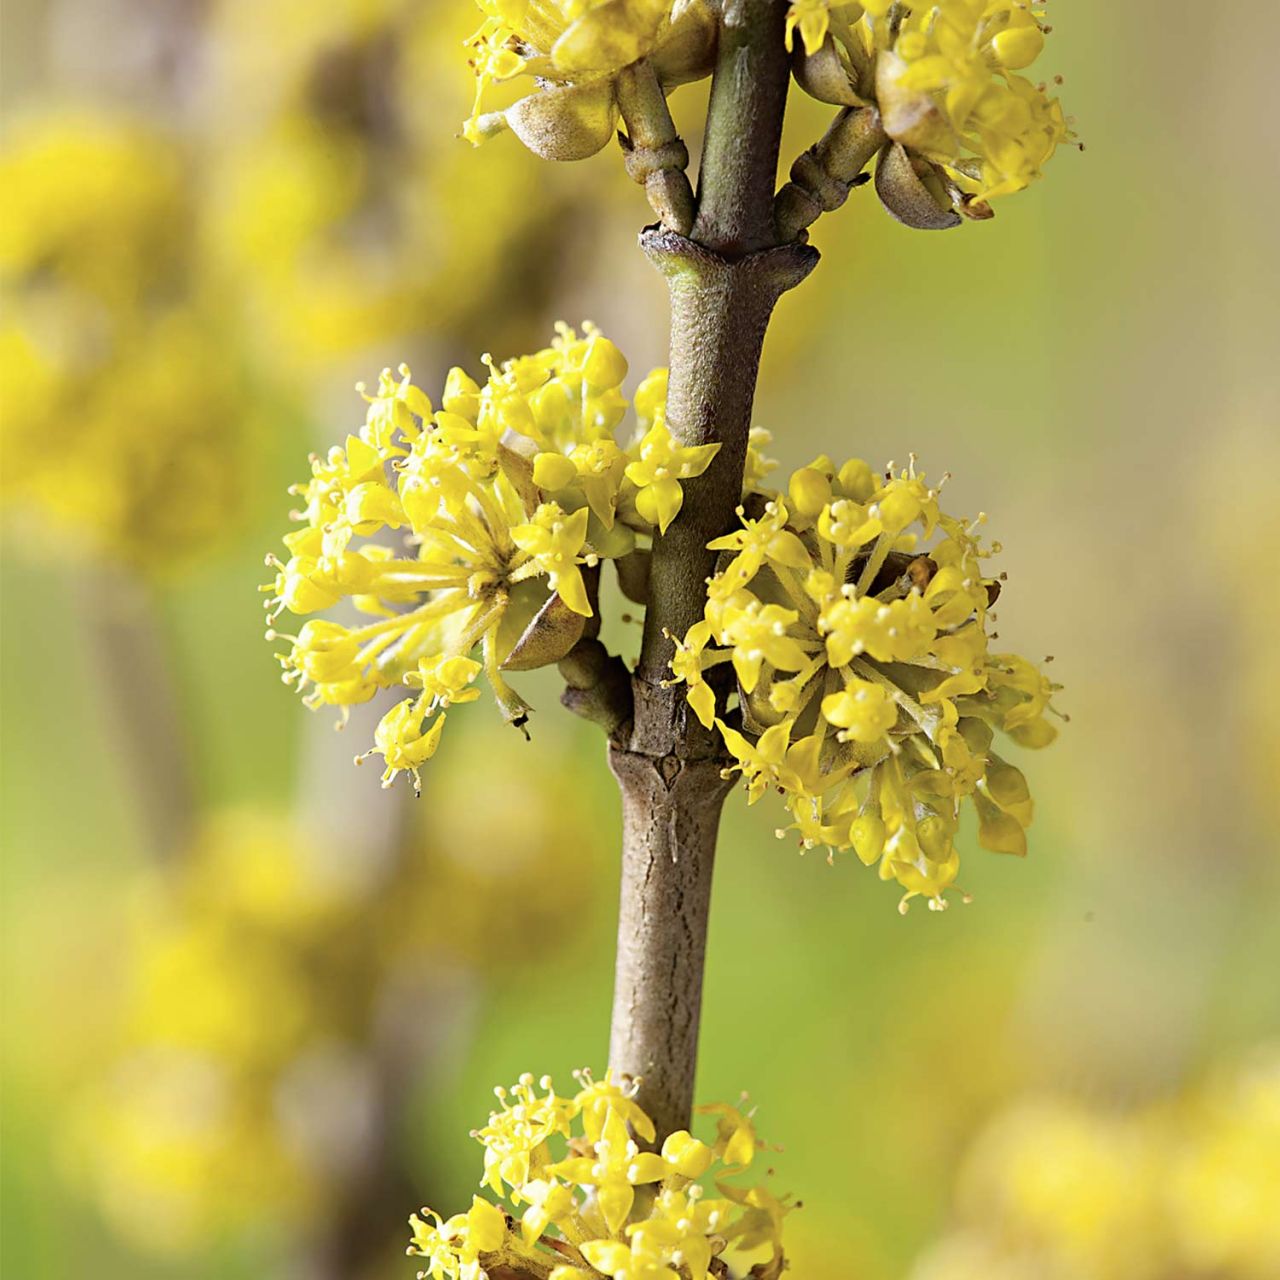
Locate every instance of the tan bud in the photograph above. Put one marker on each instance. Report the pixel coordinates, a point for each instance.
(826, 75)
(910, 198)
(555, 629)
(565, 122)
(633, 576)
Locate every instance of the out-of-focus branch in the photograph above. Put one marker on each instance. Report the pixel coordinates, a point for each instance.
(134, 672)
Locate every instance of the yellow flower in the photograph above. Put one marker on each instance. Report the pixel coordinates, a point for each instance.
(454, 1248)
(863, 711)
(404, 741)
(760, 633)
(112, 347)
(943, 77)
(515, 1139)
(549, 1202)
(500, 498)
(658, 469)
(616, 1169)
(554, 541)
(687, 666)
(597, 1099)
(1181, 1186)
(812, 18)
(866, 692)
(757, 541)
(329, 124)
(642, 1259)
(736, 1140)
(446, 680)
(686, 1155)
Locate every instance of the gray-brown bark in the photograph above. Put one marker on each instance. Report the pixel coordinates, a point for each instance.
(670, 816)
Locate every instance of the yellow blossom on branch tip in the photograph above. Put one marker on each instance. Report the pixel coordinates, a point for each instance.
(944, 80)
(947, 89)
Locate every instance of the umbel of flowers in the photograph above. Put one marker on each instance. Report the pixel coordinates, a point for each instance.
(587, 1201)
(503, 501)
(959, 124)
(932, 89)
(854, 615)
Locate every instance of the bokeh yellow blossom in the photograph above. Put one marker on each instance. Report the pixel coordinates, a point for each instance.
(347, 216)
(1187, 1187)
(246, 1041)
(123, 425)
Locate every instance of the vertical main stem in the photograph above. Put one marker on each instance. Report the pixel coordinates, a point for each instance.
(739, 169)
(670, 818)
(725, 279)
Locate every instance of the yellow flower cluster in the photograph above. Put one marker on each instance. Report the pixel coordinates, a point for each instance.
(616, 1209)
(338, 207)
(246, 1029)
(854, 615)
(505, 495)
(944, 78)
(1188, 1188)
(575, 49)
(117, 427)
(177, 1136)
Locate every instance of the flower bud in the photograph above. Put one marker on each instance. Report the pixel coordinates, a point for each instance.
(553, 471)
(1017, 47)
(461, 394)
(867, 834)
(907, 196)
(605, 365)
(686, 1155)
(998, 831)
(809, 491)
(565, 122)
(1006, 784)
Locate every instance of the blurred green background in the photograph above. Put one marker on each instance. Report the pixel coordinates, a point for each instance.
(218, 215)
